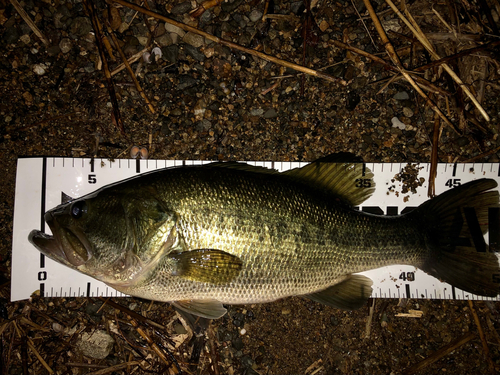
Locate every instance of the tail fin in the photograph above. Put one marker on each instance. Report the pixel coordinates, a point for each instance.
(458, 254)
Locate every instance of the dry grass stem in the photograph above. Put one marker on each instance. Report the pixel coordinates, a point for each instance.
(29, 22)
(440, 353)
(415, 29)
(114, 368)
(132, 59)
(130, 71)
(38, 356)
(431, 192)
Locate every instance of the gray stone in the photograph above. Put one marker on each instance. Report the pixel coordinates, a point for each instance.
(193, 39)
(174, 29)
(65, 45)
(256, 112)
(80, 26)
(11, 35)
(194, 53)
(270, 113)
(203, 125)
(97, 344)
(170, 53)
(402, 95)
(164, 40)
(408, 112)
(53, 50)
(207, 16)
(255, 15)
(181, 8)
(186, 81)
(238, 343)
(40, 69)
(396, 123)
(296, 6)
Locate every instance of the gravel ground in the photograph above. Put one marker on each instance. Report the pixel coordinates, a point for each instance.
(215, 103)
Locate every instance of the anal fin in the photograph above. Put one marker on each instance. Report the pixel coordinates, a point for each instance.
(350, 294)
(209, 308)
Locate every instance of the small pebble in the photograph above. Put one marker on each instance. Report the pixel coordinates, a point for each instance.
(396, 123)
(65, 45)
(255, 15)
(407, 112)
(402, 95)
(40, 69)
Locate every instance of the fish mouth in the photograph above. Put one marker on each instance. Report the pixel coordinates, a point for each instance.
(66, 246)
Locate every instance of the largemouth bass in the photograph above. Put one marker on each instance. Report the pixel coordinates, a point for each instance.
(230, 233)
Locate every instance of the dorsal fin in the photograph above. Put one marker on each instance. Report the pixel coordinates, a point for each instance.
(65, 198)
(241, 167)
(342, 174)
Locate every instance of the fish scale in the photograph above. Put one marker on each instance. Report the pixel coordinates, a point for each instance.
(322, 241)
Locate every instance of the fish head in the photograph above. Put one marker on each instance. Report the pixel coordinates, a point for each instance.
(114, 236)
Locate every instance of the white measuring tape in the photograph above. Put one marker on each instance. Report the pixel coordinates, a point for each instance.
(41, 181)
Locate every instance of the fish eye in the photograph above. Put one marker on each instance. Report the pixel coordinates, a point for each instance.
(78, 209)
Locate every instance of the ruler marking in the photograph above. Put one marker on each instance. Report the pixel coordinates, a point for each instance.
(392, 210)
(42, 218)
(470, 216)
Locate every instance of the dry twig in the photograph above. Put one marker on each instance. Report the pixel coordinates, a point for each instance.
(486, 351)
(114, 368)
(439, 354)
(155, 348)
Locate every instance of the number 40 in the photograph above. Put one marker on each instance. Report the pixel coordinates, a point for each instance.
(407, 276)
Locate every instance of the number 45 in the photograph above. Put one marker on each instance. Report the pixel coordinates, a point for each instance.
(451, 183)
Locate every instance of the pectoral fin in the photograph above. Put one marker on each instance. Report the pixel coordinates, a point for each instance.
(207, 265)
(210, 309)
(350, 294)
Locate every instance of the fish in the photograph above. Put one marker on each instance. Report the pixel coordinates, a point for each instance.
(202, 237)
